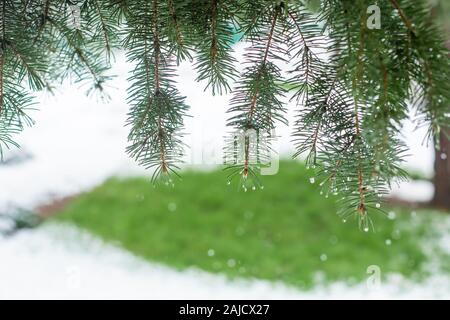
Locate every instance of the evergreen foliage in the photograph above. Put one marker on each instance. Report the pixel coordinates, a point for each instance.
(351, 84)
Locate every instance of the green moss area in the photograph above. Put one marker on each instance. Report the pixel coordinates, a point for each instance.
(286, 232)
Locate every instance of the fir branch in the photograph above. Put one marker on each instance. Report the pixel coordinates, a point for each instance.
(256, 102)
(181, 47)
(157, 109)
(214, 61)
(104, 28)
(405, 19)
(314, 81)
(262, 66)
(157, 55)
(84, 64)
(214, 38)
(355, 83)
(254, 98)
(43, 21)
(2, 61)
(2, 55)
(351, 101)
(14, 65)
(35, 78)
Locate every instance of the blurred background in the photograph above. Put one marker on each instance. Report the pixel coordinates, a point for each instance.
(78, 219)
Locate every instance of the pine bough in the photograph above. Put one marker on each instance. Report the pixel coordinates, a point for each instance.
(351, 84)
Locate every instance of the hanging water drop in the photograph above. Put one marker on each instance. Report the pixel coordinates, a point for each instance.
(377, 205)
(312, 180)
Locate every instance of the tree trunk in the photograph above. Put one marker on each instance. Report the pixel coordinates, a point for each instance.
(441, 181)
(441, 197)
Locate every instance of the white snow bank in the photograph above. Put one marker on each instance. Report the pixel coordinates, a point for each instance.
(60, 262)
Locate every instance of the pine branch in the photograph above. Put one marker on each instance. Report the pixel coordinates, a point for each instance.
(2, 61)
(312, 82)
(36, 81)
(351, 84)
(256, 93)
(43, 21)
(157, 109)
(181, 47)
(256, 102)
(157, 55)
(14, 65)
(78, 59)
(406, 21)
(2, 57)
(359, 69)
(214, 61)
(104, 28)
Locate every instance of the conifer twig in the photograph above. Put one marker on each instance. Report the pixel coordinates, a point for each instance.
(404, 18)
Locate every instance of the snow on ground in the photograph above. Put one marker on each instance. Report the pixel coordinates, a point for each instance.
(76, 144)
(60, 262)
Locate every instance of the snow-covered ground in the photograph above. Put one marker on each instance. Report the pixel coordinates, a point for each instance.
(76, 144)
(55, 262)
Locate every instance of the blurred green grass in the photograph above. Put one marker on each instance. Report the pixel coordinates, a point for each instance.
(286, 232)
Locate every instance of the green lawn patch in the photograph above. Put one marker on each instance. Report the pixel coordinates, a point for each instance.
(285, 232)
